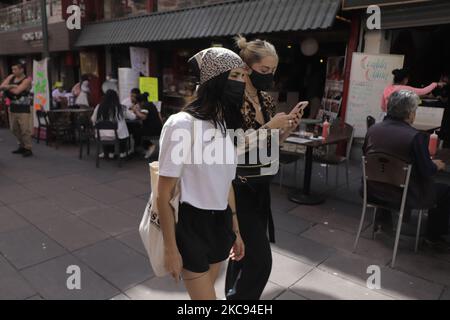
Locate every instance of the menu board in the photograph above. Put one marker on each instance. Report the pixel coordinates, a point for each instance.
(370, 75)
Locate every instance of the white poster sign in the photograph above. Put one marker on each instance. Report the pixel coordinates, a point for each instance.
(370, 75)
(140, 60)
(128, 80)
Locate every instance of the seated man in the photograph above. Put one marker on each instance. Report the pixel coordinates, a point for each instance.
(395, 136)
(130, 102)
(59, 96)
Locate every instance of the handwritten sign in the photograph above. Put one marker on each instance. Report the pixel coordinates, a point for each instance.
(40, 85)
(370, 75)
(140, 60)
(149, 85)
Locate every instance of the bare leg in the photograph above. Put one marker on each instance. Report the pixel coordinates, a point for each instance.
(199, 285)
(214, 270)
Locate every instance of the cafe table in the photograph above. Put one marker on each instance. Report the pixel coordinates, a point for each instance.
(338, 134)
(71, 111)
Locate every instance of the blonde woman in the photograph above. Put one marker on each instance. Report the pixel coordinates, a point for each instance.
(246, 279)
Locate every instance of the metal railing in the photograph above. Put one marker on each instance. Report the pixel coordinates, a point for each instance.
(28, 14)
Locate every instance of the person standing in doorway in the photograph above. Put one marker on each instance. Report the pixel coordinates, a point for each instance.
(401, 80)
(17, 88)
(82, 91)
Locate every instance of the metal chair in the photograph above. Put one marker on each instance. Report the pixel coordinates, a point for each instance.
(383, 168)
(107, 125)
(84, 129)
(54, 128)
(330, 158)
(370, 122)
(286, 159)
(43, 123)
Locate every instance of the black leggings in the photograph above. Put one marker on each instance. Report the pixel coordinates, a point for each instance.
(247, 278)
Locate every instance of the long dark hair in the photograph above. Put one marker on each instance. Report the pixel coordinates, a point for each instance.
(209, 106)
(110, 108)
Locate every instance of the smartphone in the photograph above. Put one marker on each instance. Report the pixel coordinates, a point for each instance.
(301, 106)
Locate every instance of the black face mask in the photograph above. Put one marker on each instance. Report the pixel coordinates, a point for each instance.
(261, 81)
(233, 94)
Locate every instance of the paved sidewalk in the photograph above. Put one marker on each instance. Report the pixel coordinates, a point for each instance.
(57, 211)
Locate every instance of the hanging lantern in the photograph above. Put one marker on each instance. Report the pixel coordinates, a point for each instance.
(309, 47)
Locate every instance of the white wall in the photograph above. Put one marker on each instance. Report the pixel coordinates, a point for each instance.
(377, 41)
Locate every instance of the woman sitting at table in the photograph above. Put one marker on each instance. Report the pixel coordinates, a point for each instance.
(110, 109)
(151, 124)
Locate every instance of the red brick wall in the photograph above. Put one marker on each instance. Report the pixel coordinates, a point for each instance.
(166, 5)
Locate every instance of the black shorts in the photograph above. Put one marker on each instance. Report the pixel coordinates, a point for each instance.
(204, 237)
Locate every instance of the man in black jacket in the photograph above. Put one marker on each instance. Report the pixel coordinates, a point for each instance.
(395, 136)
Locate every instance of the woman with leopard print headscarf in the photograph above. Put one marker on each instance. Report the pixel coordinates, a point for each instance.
(207, 229)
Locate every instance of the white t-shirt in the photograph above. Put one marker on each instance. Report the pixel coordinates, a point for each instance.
(122, 129)
(129, 115)
(56, 94)
(206, 169)
(83, 98)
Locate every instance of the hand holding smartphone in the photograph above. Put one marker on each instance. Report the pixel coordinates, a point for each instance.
(299, 109)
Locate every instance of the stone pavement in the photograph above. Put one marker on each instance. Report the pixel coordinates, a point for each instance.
(57, 211)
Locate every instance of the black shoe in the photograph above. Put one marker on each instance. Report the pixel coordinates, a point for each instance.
(19, 151)
(27, 153)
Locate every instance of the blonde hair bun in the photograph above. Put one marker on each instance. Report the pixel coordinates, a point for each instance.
(241, 42)
(254, 51)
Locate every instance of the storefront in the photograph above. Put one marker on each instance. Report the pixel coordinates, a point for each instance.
(22, 33)
(26, 45)
(305, 33)
(415, 32)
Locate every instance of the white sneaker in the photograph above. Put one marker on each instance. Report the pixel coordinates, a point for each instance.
(123, 155)
(101, 156)
(150, 152)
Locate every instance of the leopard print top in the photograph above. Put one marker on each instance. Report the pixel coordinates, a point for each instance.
(248, 110)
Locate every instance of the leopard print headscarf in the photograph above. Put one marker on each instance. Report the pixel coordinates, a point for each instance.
(212, 62)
